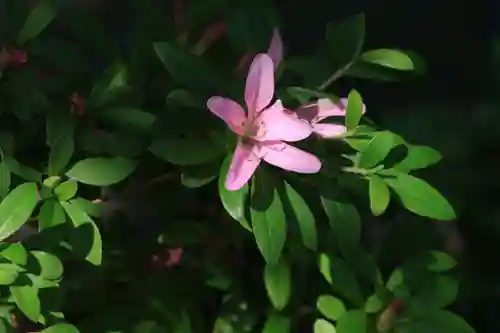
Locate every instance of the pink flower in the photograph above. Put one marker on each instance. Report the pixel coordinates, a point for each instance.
(275, 50)
(174, 257)
(314, 113)
(263, 128)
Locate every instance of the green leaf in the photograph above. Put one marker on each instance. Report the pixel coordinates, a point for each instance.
(26, 299)
(23, 171)
(8, 273)
(444, 321)
(17, 208)
(440, 262)
(377, 150)
(181, 97)
(101, 171)
(380, 195)
(268, 219)
(39, 18)
(304, 95)
(345, 39)
(394, 59)
(354, 110)
(331, 307)
(185, 151)
(85, 238)
(5, 179)
(353, 321)
(51, 267)
(66, 190)
(277, 279)
(420, 198)
(418, 157)
(323, 326)
(304, 217)
(338, 274)
(344, 218)
(128, 119)
(16, 253)
(198, 176)
(113, 83)
(188, 69)
(233, 201)
(51, 214)
(61, 328)
(437, 291)
(91, 208)
(276, 323)
(60, 154)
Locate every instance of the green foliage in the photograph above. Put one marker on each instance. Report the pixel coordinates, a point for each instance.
(116, 215)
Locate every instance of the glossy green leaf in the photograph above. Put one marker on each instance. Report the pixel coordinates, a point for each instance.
(51, 267)
(17, 208)
(102, 171)
(26, 299)
(16, 253)
(85, 238)
(418, 157)
(378, 149)
(331, 307)
(338, 274)
(233, 201)
(128, 119)
(276, 323)
(8, 273)
(61, 328)
(5, 179)
(51, 214)
(304, 217)
(353, 321)
(268, 219)
(186, 151)
(345, 39)
(380, 195)
(60, 154)
(113, 83)
(420, 198)
(188, 69)
(91, 208)
(323, 326)
(394, 59)
(344, 218)
(278, 282)
(354, 110)
(66, 190)
(39, 18)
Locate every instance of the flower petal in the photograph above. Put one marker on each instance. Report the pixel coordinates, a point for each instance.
(276, 123)
(329, 130)
(243, 166)
(259, 88)
(289, 157)
(343, 102)
(326, 108)
(275, 50)
(229, 111)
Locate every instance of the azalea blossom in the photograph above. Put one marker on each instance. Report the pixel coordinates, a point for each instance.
(174, 256)
(316, 112)
(263, 128)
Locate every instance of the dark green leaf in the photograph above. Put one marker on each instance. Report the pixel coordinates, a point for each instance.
(61, 152)
(39, 18)
(51, 214)
(5, 179)
(277, 279)
(331, 307)
(23, 171)
(353, 321)
(440, 261)
(344, 218)
(17, 208)
(303, 216)
(437, 291)
(100, 171)
(128, 119)
(380, 195)
(276, 323)
(418, 157)
(338, 274)
(233, 201)
(186, 151)
(378, 149)
(421, 198)
(268, 219)
(113, 83)
(345, 39)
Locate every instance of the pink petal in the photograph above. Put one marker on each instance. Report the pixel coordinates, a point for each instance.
(329, 130)
(229, 111)
(343, 102)
(276, 123)
(243, 166)
(326, 108)
(174, 257)
(259, 88)
(275, 50)
(289, 158)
